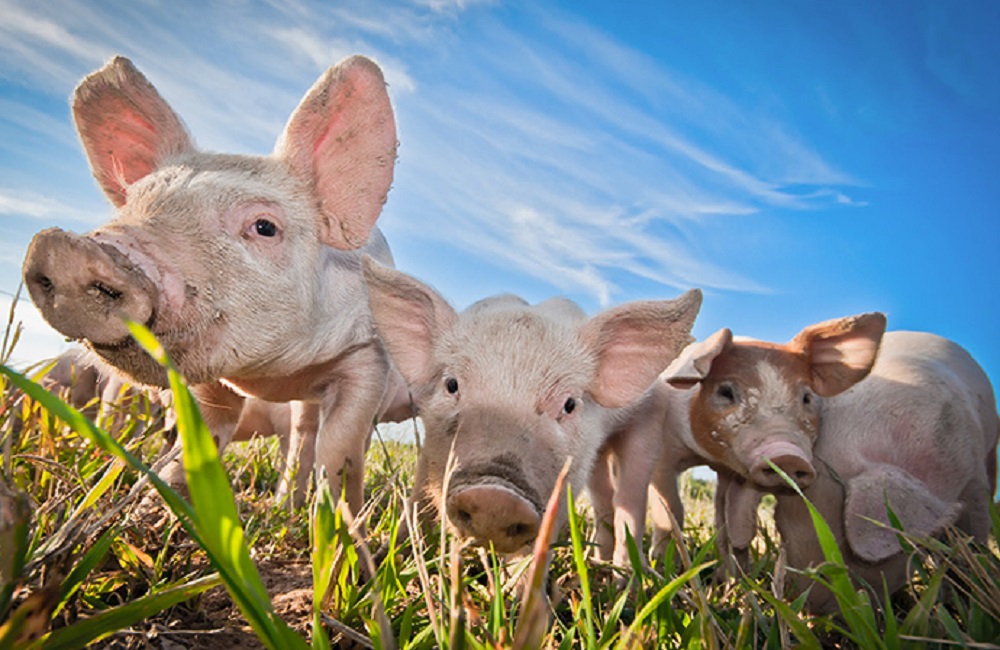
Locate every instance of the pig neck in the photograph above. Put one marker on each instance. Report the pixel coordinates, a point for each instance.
(308, 384)
(680, 439)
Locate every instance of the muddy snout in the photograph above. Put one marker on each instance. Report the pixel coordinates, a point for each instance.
(790, 458)
(84, 288)
(490, 508)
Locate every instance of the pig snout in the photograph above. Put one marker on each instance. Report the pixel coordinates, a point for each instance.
(84, 288)
(494, 513)
(790, 458)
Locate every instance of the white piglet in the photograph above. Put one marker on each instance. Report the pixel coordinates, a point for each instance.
(247, 268)
(513, 390)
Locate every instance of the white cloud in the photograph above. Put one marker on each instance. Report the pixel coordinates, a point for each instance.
(38, 340)
(18, 203)
(568, 156)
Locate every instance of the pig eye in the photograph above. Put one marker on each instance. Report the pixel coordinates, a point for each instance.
(806, 397)
(569, 406)
(265, 228)
(451, 385)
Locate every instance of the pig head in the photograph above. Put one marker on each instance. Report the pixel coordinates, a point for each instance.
(740, 405)
(509, 391)
(247, 268)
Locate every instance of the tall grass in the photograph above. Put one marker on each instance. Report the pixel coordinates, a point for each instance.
(85, 557)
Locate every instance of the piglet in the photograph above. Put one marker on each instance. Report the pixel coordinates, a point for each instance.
(511, 390)
(854, 418)
(247, 268)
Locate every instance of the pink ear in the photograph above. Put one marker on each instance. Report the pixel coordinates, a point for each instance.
(841, 352)
(634, 343)
(866, 520)
(695, 361)
(342, 138)
(127, 129)
(409, 316)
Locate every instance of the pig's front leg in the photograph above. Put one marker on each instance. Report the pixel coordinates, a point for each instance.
(220, 409)
(666, 502)
(348, 411)
(735, 523)
(619, 489)
(602, 489)
(638, 450)
(299, 452)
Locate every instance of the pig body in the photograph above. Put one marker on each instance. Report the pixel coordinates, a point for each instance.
(920, 430)
(510, 391)
(247, 268)
(87, 385)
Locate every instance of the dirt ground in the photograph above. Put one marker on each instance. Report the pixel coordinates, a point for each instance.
(213, 622)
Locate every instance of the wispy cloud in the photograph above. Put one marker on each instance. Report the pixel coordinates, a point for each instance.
(17, 203)
(557, 151)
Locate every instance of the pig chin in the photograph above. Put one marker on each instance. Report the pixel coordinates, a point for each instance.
(133, 362)
(186, 348)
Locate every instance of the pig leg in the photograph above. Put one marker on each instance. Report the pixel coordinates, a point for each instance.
(348, 415)
(299, 452)
(619, 489)
(735, 522)
(666, 501)
(637, 450)
(602, 489)
(220, 408)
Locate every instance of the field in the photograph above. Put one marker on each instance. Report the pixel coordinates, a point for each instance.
(92, 552)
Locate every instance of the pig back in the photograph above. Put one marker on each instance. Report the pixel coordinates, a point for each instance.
(927, 407)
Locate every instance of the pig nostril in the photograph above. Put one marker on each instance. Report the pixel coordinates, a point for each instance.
(463, 518)
(45, 283)
(517, 530)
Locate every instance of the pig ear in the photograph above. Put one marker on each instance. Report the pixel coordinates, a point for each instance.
(695, 361)
(342, 138)
(409, 316)
(841, 352)
(920, 512)
(127, 129)
(634, 343)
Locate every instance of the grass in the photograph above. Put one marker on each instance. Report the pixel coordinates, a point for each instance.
(89, 554)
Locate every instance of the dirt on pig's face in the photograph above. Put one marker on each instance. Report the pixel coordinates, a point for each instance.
(756, 401)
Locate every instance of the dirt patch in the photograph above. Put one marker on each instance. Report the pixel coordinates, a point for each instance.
(214, 621)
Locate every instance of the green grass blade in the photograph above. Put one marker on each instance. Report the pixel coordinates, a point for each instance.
(100, 438)
(665, 593)
(90, 630)
(84, 566)
(100, 488)
(14, 542)
(215, 515)
(803, 633)
(580, 562)
(856, 610)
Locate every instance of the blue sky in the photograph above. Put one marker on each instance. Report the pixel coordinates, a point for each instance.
(797, 161)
